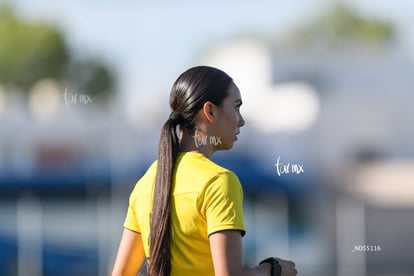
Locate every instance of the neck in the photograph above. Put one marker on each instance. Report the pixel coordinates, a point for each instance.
(192, 142)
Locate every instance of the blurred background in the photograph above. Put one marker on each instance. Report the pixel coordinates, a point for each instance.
(326, 157)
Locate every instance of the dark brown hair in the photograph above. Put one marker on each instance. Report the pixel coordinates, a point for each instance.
(190, 91)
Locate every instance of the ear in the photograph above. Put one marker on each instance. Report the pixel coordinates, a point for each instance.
(210, 112)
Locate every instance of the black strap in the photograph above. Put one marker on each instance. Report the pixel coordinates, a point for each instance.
(276, 269)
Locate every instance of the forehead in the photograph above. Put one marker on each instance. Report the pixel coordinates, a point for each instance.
(234, 92)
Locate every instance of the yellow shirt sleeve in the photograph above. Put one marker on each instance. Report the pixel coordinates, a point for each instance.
(131, 221)
(222, 204)
(139, 205)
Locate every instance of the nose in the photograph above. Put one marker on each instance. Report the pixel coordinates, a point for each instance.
(241, 121)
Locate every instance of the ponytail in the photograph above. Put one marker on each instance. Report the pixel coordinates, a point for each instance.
(190, 91)
(160, 235)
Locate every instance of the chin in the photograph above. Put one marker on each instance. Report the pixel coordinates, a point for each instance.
(226, 146)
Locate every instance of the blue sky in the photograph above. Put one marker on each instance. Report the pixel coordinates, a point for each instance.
(151, 42)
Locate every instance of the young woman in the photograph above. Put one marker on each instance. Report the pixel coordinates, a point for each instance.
(185, 214)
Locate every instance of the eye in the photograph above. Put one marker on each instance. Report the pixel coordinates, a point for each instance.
(238, 104)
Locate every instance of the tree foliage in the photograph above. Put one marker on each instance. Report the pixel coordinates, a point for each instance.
(340, 24)
(30, 51)
(90, 76)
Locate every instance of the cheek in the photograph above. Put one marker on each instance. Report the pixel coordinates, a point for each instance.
(230, 119)
(235, 118)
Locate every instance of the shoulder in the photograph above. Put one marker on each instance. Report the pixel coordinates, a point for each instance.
(223, 182)
(145, 183)
(202, 166)
(203, 169)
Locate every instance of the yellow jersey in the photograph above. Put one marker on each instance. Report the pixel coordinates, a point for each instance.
(206, 198)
